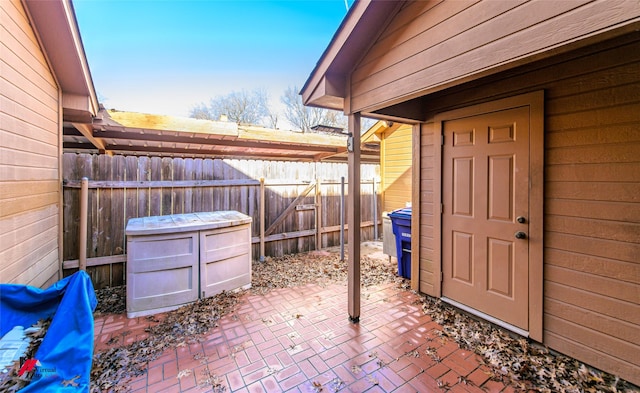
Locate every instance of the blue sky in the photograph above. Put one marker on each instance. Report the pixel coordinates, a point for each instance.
(166, 56)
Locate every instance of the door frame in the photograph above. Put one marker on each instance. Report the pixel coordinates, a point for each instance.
(535, 102)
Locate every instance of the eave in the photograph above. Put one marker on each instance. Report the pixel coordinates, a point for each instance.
(57, 30)
(327, 85)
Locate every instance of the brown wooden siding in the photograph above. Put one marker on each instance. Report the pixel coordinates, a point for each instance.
(430, 44)
(592, 197)
(29, 150)
(395, 168)
(429, 282)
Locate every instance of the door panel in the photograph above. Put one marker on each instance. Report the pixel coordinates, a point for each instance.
(485, 187)
(463, 257)
(463, 186)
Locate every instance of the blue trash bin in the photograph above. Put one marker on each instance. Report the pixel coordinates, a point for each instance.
(401, 224)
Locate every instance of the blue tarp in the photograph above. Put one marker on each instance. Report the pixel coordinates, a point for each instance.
(65, 354)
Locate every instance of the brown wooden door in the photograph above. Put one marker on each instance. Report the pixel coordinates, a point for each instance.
(485, 190)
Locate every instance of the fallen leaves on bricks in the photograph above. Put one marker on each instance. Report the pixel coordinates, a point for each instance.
(517, 361)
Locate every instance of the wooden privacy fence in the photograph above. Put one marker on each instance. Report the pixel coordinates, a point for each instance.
(299, 203)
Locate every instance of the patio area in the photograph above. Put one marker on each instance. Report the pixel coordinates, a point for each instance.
(299, 339)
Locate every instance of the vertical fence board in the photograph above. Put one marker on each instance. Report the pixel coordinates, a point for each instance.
(144, 174)
(118, 214)
(155, 200)
(217, 193)
(167, 192)
(188, 174)
(178, 192)
(71, 201)
(104, 240)
(208, 192)
(131, 194)
(102, 236)
(198, 192)
(93, 227)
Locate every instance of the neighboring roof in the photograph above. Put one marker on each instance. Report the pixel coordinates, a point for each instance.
(117, 132)
(331, 129)
(57, 30)
(373, 134)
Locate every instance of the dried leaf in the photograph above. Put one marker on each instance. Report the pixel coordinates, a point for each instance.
(71, 382)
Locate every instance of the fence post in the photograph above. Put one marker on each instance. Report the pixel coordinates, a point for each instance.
(318, 215)
(262, 258)
(84, 201)
(342, 218)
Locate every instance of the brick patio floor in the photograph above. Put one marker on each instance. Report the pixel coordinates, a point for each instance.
(300, 340)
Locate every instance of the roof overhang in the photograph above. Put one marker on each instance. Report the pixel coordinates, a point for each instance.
(57, 30)
(327, 85)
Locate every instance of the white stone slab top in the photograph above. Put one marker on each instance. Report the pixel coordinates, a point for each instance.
(176, 223)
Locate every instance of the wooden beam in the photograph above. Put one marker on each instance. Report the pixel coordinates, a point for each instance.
(285, 236)
(336, 228)
(289, 209)
(96, 261)
(163, 183)
(353, 219)
(87, 131)
(204, 139)
(211, 151)
(188, 183)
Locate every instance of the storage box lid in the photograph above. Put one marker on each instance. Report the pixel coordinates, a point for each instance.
(404, 213)
(185, 222)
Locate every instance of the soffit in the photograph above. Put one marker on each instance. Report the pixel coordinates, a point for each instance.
(326, 86)
(57, 30)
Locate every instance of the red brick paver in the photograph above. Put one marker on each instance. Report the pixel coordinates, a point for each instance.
(300, 340)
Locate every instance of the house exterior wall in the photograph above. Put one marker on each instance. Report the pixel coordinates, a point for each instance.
(430, 45)
(426, 180)
(591, 197)
(395, 168)
(30, 145)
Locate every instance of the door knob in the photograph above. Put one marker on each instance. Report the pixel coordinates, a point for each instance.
(520, 235)
(521, 219)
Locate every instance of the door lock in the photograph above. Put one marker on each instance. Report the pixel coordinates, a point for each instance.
(520, 235)
(521, 219)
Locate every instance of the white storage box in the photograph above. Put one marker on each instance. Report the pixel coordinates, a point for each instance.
(173, 260)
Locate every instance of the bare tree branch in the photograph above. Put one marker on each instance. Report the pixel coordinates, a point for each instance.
(247, 107)
(304, 117)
